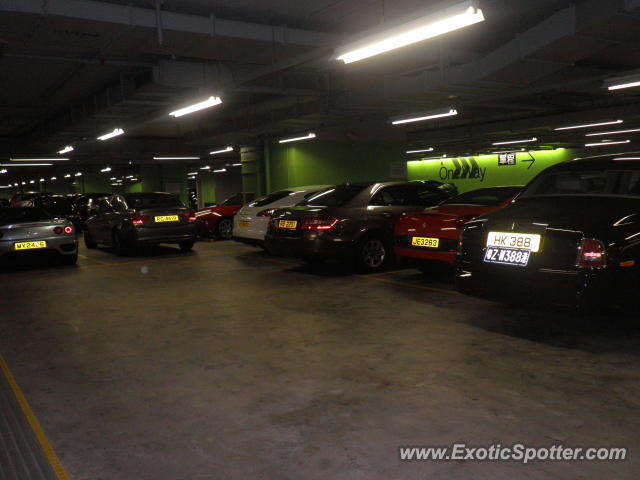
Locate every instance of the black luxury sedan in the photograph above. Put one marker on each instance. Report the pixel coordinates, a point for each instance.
(350, 222)
(572, 236)
(131, 220)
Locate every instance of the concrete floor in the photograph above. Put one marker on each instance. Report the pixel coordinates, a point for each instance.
(227, 364)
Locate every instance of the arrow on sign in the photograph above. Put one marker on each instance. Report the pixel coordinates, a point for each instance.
(530, 161)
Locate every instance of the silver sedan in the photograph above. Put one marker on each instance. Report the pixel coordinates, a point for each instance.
(24, 231)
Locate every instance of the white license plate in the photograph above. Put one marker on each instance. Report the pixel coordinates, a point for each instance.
(511, 240)
(507, 256)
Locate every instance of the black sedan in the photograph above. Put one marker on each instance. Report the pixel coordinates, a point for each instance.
(351, 222)
(131, 220)
(573, 235)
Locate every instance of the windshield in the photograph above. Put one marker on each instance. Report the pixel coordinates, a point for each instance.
(485, 197)
(333, 197)
(152, 200)
(598, 182)
(20, 215)
(55, 205)
(272, 197)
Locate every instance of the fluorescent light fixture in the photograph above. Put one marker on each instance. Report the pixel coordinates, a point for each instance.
(620, 83)
(509, 151)
(220, 170)
(68, 175)
(627, 159)
(79, 174)
(511, 142)
(25, 164)
(56, 159)
(424, 150)
(129, 176)
(423, 116)
(416, 30)
(192, 173)
(590, 125)
(605, 143)
(66, 149)
(106, 169)
(615, 132)
(115, 133)
(54, 178)
(309, 136)
(176, 158)
(23, 183)
(32, 181)
(42, 179)
(236, 165)
(113, 178)
(209, 102)
(4, 170)
(224, 150)
(205, 168)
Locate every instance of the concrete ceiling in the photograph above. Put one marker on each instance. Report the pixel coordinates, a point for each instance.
(74, 69)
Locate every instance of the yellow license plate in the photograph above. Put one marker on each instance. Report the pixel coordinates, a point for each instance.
(524, 241)
(425, 242)
(166, 218)
(29, 245)
(289, 224)
(243, 224)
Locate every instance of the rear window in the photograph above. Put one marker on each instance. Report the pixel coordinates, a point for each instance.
(333, 197)
(152, 200)
(272, 197)
(486, 197)
(19, 215)
(603, 182)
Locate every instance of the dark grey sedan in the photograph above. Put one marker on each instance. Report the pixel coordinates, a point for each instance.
(131, 220)
(25, 231)
(351, 222)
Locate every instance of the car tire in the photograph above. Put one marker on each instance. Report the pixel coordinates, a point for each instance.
(118, 244)
(88, 240)
(373, 253)
(186, 246)
(224, 229)
(70, 259)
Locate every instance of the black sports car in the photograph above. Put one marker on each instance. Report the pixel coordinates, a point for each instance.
(572, 235)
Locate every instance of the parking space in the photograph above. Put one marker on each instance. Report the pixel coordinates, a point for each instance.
(251, 366)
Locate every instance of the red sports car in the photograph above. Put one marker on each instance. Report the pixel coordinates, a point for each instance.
(217, 221)
(432, 234)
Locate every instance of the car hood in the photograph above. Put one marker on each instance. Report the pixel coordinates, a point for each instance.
(588, 214)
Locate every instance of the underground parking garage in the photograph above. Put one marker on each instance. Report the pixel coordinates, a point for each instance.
(355, 240)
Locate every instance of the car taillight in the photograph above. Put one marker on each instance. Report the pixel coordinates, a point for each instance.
(191, 217)
(591, 254)
(57, 230)
(138, 219)
(266, 213)
(68, 230)
(318, 223)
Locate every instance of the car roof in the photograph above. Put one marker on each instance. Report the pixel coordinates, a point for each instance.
(623, 161)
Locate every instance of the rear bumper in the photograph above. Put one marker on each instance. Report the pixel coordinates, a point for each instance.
(553, 286)
(410, 255)
(310, 245)
(174, 234)
(60, 245)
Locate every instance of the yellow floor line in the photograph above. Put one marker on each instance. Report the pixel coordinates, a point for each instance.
(53, 459)
(99, 262)
(411, 285)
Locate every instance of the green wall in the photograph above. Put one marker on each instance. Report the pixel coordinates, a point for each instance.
(486, 172)
(320, 163)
